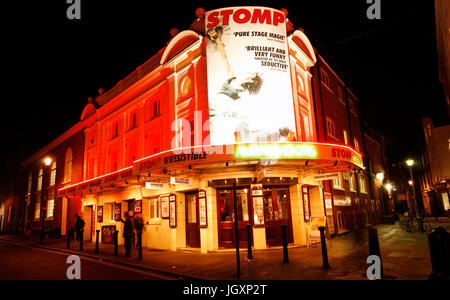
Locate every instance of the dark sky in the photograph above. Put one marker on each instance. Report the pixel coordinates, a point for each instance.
(54, 64)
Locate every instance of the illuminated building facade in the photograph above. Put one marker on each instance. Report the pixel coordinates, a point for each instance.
(434, 170)
(172, 139)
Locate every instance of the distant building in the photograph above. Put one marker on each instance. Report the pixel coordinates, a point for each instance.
(42, 205)
(442, 15)
(434, 167)
(10, 176)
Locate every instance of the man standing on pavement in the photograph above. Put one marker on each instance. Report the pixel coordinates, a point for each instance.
(128, 232)
(79, 225)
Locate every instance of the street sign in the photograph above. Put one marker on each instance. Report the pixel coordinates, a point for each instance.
(154, 185)
(180, 180)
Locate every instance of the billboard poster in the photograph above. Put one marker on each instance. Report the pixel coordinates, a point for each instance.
(100, 214)
(249, 83)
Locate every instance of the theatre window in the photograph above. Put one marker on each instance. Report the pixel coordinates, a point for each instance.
(362, 183)
(331, 129)
(154, 209)
(337, 183)
(326, 80)
(345, 137)
(153, 109)
(68, 166)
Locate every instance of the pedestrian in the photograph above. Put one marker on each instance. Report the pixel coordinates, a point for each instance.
(139, 224)
(28, 229)
(128, 232)
(79, 225)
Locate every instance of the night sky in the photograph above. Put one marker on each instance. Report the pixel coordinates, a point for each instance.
(53, 64)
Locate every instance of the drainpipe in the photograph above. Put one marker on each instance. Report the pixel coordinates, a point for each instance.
(321, 101)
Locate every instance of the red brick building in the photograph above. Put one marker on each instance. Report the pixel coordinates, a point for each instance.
(146, 146)
(42, 205)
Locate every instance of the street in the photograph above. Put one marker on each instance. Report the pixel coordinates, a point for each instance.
(25, 263)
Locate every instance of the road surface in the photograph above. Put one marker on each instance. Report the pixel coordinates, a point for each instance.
(19, 262)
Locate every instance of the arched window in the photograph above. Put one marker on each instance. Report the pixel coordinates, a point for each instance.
(41, 174)
(67, 166)
(53, 174)
(30, 182)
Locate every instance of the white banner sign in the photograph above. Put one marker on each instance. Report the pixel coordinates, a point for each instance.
(179, 180)
(249, 83)
(321, 177)
(154, 185)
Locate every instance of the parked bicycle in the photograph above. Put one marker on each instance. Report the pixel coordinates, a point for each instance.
(414, 224)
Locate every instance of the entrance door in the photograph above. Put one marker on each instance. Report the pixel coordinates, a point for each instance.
(226, 216)
(87, 216)
(192, 222)
(277, 211)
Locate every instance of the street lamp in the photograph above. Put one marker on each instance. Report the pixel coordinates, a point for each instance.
(410, 163)
(388, 186)
(47, 162)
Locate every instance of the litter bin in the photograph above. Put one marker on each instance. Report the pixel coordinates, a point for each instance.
(439, 243)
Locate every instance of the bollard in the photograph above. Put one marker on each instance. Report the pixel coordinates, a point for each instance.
(439, 244)
(249, 241)
(139, 236)
(68, 237)
(116, 248)
(324, 248)
(374, 245)
(96, 241)
(285, 248)
(81, 239)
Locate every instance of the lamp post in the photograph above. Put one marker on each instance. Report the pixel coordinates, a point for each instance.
(47, 162)
(410, 163)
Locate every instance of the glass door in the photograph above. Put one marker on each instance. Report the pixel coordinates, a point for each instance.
(277, 211)
(192, 224)
(226, 216)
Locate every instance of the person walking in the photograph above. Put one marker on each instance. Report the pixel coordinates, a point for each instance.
(139, 225)
(79, 225)
(128, 232)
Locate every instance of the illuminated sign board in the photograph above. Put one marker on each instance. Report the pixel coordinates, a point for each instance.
(249, 83)
(276, 151)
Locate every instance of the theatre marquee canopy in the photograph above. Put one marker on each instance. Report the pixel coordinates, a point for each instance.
(340, 157)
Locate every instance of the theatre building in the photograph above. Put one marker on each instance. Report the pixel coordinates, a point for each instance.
(232, 111)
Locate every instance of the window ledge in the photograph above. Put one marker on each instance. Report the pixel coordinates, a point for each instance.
(338, 188)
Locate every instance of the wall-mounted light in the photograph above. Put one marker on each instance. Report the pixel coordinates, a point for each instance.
(47, 161)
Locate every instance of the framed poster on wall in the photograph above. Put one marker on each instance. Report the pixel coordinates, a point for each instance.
(164, 201)
(108, 234)
(100, 214)
(172, 211)
(138, 206)
(202, 211)
(258, 207)
(117, 211)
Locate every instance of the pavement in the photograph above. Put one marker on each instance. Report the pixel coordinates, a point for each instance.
(405, 256)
